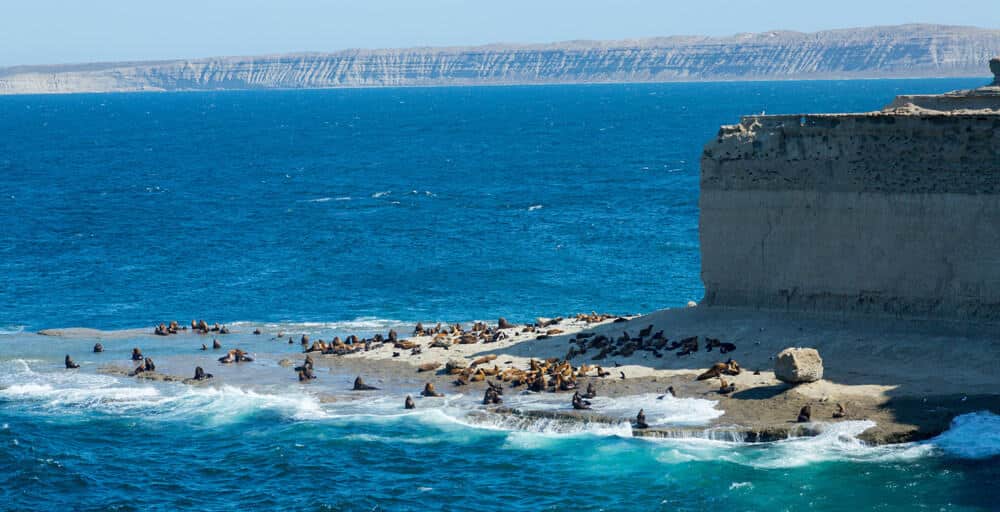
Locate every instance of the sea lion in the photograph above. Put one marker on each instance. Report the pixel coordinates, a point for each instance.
(646, 332)
(257, 331)
(490, 397)
(304, 340)
(408, 404)
(203, 347)
(428, 367)
(579, 403)
(149, 366)
(840, 412)
(224, 330)
(136, 354)
(215, 344)
(306, 374)
(98, 348)
(359, 385)
(502, 323)
(805, 414)
(429, 391)
(724, 387)
(670, 391)
(70, 364)
(727, 347)
(199, 374)
(591, 391)
(640, 419)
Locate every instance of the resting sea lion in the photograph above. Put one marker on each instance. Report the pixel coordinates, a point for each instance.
(199, 374)
(257, 331)
(215, 344)
(640, 419)
(359, 385)
(408, 404)
(724, 387)
(429, 391)
(69, 363)
(428, 367)
(591, 391)
(804, 414)
(840, 412)
(136, 354)
(502, 323)
(579, 403)
(149, 366)
(98, 348)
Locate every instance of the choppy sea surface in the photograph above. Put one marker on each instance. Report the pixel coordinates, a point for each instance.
(353, 211)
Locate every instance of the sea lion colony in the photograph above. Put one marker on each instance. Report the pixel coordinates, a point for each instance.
(550, 375)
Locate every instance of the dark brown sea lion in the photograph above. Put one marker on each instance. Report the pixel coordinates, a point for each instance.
(646, 332)
(149, 366)
(502, 323)
(98, 348)
(490, 397)
(203, 347)
(579, 403)
(215, 344)
(840, 412)
(408, 404)
(591, 391)
(199, 374)
(69, 363)
(304, 340)
(640, 419)
(136, 354)
(670, 391)
(359, 385)
(805, 414)
(428, 367)
(257, 331)
(429, 391)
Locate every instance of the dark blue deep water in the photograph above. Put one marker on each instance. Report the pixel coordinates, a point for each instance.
(355, 209)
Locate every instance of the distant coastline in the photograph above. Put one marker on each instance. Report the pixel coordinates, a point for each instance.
(905, 51)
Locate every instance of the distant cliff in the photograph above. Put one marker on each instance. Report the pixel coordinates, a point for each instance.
(899, 51)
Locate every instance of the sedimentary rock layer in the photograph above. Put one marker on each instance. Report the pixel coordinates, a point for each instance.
(883, 212)
(901, 51)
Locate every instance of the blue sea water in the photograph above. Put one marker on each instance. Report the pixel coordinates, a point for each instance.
(355, 210)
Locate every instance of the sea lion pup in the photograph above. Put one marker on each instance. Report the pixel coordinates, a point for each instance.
(215, 344)
(408, 404)
(579, 403)
(98, 348)
(591, 391)
(429, 391)
(805, 414)
(70, 364)
(136, 354)
(149, 366)
(490, 397)
(199, 374)
(359, 385)
(203, 347)
(840, 412)
(725, 387)
(640, 419)
(670, 391)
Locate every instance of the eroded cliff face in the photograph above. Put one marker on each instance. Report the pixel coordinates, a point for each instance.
(911, 50)
(894, 212)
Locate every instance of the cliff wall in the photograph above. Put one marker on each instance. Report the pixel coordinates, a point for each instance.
(900, 51)
(884, 213)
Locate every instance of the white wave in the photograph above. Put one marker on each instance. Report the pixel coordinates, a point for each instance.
(317, 200)
(535, 207)
(360, 325)
(659, 412)
(343, 198)
(383, 193)
(971, 436)
(10, 330)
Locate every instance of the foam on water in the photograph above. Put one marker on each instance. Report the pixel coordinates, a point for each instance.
(971, 436)
(659, 412)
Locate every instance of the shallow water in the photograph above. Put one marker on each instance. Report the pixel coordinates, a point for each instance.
(339, 212)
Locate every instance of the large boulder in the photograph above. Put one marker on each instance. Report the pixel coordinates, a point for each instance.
(798, 365)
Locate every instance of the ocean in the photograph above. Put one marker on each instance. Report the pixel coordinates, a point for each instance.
(355, 211)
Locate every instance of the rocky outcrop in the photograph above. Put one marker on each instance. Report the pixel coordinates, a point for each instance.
(901, 51)
(893, 212)
(798, 365)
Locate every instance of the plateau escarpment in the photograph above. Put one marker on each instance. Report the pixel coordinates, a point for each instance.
(901, 51)
(890, 212)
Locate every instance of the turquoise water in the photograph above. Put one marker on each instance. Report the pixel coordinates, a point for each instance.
(338, 212)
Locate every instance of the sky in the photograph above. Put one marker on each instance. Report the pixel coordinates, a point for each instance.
(69, 31)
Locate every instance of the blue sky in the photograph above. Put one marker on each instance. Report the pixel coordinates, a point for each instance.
(58, 31)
